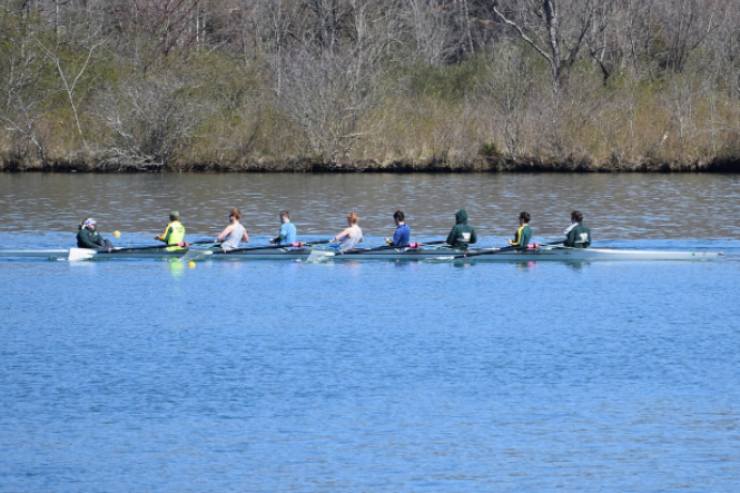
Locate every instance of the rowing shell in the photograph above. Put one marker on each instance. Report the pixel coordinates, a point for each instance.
(560, 254)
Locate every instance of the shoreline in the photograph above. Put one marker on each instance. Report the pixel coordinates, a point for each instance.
(434, 166)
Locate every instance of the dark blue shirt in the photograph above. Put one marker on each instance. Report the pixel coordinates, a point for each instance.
(402, 235)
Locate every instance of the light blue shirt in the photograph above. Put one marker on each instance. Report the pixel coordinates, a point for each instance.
(287, 233)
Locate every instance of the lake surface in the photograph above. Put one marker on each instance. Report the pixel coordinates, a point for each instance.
(282, 376)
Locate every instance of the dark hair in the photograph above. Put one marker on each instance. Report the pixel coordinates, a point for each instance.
(576, 216)
(524, 216)
(399, 216)
(235, 213)
(284, 213)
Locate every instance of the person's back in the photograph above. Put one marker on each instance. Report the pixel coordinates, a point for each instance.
(462, 234)
(234, 237)
(288, 234)
(174, 234)
(402, 234)
(577, 235)
(352, 239)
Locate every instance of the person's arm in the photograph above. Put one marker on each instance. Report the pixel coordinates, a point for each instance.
(223, 234)
(517, 238)
(342, 235)
(283, 235)
(165, 236)
(473, 237)
(397, 237)
(245, 236)
(452, 236)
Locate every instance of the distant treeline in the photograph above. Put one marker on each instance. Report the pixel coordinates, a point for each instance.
(373, 85)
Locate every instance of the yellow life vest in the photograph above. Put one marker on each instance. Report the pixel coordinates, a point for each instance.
(173, 235)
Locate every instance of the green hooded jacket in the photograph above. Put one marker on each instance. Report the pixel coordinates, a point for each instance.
(578, 237)
(462, 234)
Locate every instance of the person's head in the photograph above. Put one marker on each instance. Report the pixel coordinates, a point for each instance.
(399, 217)
(235, 214)
(284, 216)
(174, 216)
(524, 217)
(352, 218)
(90, 224)
(576, 216)
(461, 216)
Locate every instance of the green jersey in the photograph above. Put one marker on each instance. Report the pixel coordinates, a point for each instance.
(578, 237)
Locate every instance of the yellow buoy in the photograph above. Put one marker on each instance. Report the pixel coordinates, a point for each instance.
(117, 234)
(191, 264)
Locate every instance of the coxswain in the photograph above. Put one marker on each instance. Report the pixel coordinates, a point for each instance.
(350, 236)
(523, 233)
(174, 233)
(88, 237)
(402, 234)
(234, 233)
(288, 233)
(577, 235)
(462, 234)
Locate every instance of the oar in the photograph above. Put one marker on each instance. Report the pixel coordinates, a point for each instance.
(276, 247)
(500, 250)
(392, 247)
(156, 247)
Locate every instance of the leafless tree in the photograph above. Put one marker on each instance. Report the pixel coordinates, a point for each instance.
(555, 30)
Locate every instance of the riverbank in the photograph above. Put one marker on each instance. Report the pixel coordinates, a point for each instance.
(481, 165)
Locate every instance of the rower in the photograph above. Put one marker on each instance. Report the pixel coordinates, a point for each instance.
(350, 236)
(462, 234)
(523, 233)
(287, 234)
(174, 233)
(234, 233)
(88, 237)
(577, 235)
(402, 234)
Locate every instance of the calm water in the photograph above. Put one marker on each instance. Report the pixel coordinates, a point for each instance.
(279, 376)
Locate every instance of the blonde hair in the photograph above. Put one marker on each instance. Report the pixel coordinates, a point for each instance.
(235, 213)
(352, 217)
